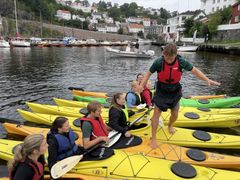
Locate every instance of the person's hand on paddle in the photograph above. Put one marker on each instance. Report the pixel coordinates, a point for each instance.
(211, 82)
(127, 134)
(104, 138)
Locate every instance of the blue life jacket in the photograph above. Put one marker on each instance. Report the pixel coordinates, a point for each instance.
(66, 146)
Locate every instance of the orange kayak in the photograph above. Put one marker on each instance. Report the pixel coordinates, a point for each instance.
(164, 151)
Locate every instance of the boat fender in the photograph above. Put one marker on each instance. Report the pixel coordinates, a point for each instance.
(203, 101)
(192, 115)
(109, 100)
(196, 155)
(183, 170)
(83, 111)
(77, 123)
(15, 147)
(201, 135)
(106, 105)
(204, 109)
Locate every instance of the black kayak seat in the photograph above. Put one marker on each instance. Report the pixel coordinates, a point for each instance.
(196, 155)
(183, 170)
(192, 115)
(203, 101)
(204, 109)
(201, 135)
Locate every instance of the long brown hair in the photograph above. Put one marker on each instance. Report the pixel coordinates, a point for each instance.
(31, 143)
(114, 100)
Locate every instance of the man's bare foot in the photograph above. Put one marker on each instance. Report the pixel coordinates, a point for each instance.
(171, 129)
(154, 144)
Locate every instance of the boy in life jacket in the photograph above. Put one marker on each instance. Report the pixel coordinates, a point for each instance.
(61, 141)
(133, 97)
(95, 131)
(169, 90)
(28, 161)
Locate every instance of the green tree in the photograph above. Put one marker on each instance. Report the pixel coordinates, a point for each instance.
(102, 6)
(226, 15)
(214, 21)
(120, 31)
(140, 34)
(188, 25)
(115, 13)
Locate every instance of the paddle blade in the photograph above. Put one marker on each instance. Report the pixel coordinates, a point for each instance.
(65, 165)
(114, 136)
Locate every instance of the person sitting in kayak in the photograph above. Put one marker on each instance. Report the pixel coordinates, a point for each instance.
(28, 161)
(118, 121)
(61, 141)
(133, 97)
(169, 68)
(94, 131)
(139, 78)
(146, 95)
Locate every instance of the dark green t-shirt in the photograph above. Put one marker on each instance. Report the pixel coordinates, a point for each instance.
(86, 129)
(183, 64)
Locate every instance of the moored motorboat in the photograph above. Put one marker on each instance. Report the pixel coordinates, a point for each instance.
(132, 54)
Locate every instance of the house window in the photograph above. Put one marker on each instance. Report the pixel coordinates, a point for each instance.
(237, 18)
(217, 8)
(218, 1)
(213, 9)
(239, 7)
(224, 6)
(213, 2)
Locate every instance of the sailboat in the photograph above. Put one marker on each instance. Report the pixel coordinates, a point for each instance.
(18, 42)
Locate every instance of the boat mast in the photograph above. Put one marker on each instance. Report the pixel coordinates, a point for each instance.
(15, 9)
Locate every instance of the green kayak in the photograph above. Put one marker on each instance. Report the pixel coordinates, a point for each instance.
(229, 102)
(89, 99)
(211, 103)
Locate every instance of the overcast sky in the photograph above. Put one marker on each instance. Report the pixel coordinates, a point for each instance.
(170, 5)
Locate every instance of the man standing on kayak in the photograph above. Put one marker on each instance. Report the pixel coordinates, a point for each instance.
(169, 68)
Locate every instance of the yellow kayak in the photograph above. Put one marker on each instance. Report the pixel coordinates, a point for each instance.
(106, 95)
(73, 111)
(135, 167)
(182, 137)
(70, 103)
(165, 151)
(184, 119)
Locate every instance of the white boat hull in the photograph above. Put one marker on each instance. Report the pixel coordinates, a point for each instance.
(187, 48)
(4, 44)
(17, 43)
(115, 52)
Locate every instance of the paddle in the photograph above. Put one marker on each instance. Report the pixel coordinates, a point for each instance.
(76, 88)
(65, 165)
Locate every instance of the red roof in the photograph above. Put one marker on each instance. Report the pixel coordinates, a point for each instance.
(64, 11)
(136, 26)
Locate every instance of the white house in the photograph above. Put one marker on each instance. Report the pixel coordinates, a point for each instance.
(97, 15)
(101, 28)
(80, 6)
(174, 24)
(135, 28)
(109, 20)
(146, 22)
(112, 28)
(211, 6)
(134, 20)
(62, 14)
(78, 17)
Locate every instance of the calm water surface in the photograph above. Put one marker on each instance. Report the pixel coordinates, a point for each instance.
(40, 74)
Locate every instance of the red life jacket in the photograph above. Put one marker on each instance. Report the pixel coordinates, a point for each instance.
(99, 128)
(36, 166)
(170, 74)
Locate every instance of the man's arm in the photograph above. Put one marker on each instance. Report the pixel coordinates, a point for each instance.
(145, 79)
(203, 77)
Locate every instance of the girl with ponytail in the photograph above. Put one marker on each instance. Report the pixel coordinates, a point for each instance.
(28, 162)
